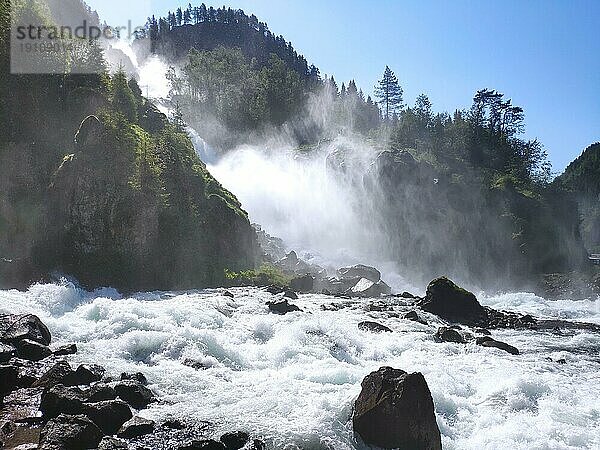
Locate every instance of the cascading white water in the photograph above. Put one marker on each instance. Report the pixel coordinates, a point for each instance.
(292, 379)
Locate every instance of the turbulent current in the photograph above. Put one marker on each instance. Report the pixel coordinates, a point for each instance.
(292, 379)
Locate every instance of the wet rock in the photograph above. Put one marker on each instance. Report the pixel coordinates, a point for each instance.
(447, 300)
(100, 392)
(15, 328)
(395, 410)
(61, 399)
(360, 271)
(561, 361)
(134, 393)
(228, 294)
(8, 380)
(173, 424)
(32, 350)
(282, 307)
(6, 352)
(235, 440)
(111, 443)
(487, 341)
(7, 428)
(305, 283)
(483, 331)
(85, 374)
(70, 432)
(257, 444)
(108, 415)
(208, 444)
(407, 295)
(367, 288)
(65, 350)
(137, 376)
(445, 334)
(136, 427)
(373, 327)
(291, 295)
(412, 315)
(275, 290)
(55, 375)
(198, 365)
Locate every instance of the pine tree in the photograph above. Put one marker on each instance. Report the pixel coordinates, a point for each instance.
(389, 93)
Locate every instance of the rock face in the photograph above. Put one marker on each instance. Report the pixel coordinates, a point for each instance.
(70, 433)
(395, 410)
(451, 302)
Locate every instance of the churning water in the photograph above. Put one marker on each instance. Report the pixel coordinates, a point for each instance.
(292, 379)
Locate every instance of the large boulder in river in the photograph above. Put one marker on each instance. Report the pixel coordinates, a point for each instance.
(360, 271)
(367, 288)
(395, 410)
(16, 327)
(452, 302)
(70, 433)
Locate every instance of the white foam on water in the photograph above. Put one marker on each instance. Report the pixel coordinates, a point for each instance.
(292, 379)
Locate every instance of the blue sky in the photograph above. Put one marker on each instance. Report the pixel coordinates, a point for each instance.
(544, 54)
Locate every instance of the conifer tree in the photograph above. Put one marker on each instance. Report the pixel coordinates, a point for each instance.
(389, 93)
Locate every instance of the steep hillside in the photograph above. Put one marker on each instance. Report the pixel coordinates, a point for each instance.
(95, 182)
(582, 178)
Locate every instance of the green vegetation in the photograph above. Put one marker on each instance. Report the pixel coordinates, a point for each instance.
(265, 275)
(131, 205)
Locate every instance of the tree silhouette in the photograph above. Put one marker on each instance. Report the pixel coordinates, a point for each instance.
(389, 93)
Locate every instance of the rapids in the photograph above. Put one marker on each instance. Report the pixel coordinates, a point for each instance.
(292, 379)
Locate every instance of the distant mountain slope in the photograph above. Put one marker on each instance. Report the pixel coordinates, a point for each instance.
(582, 177)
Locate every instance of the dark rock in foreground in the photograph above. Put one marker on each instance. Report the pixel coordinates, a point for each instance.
(395, 410)
(15, 328)
(282, 307)
(62, 399)
(134, 393)
(412, 315)
(373, 327)
(85, 374)
(70, 433)
(65, 350)
(487, 341)
(235, 440)
(108, 415)
(136, 427)
(447, 300)
(445, 334)
(32, 350)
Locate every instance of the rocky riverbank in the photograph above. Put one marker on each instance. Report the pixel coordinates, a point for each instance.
(46, 404)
